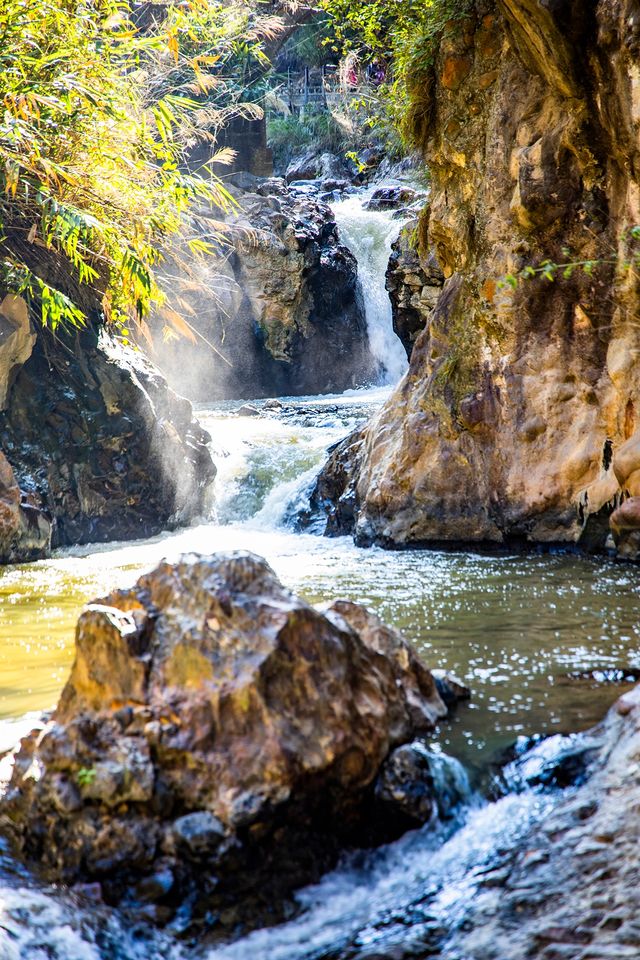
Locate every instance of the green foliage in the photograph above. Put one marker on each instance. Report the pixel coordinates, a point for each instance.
(317, 130)
(85, 776)
(404, 34)
(95, 121)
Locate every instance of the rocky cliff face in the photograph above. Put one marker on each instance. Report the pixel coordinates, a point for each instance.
(414, 284)
(283, 310)
(94, 446)
(518, 420)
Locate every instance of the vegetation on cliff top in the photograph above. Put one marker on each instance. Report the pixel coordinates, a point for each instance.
(102, 100)
(403, 36)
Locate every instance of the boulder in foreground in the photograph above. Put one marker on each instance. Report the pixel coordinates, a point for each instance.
(218, 741)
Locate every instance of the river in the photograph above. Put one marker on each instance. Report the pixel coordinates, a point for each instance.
(535, 637)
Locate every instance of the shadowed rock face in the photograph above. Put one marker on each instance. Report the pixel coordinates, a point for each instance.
(284, 308)
(95, 447)
(414, 284)
(219, 733)
(518, 418)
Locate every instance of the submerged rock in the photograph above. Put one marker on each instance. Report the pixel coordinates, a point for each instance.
(220, 734)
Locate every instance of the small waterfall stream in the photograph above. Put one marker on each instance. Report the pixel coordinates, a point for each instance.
(369, 235)
(511, 627)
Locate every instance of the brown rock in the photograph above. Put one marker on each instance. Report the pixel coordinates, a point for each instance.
(25, 531)
(16, 342)
(454, 71)
(625, 527)
(515, 421)
(286, 315)
(212, 718)
(104, 448)
(414, 284)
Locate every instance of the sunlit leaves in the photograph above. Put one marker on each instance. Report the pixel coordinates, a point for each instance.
(94, 117)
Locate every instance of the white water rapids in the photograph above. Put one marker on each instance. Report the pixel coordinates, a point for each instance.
(507, 625)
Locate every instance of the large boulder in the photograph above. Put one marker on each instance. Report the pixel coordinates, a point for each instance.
(282, 312)
(319, 166)
(218, 741)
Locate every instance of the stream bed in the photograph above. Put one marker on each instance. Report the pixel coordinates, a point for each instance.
(546, 642)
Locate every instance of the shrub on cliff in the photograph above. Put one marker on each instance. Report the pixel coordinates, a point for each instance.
(402, 36)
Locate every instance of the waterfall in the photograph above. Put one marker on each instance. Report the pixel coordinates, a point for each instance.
(369, 235)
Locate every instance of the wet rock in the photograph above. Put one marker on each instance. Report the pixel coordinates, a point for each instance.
(319, 166)
(285, 314)
(333, 186)
(405, 783)
(414, 284)
(218, 729)
(418, 784)
(556, 761)
(200, 833)
(569, 879)
(333, 503)
(451, 690)
(155, 887)
(391, 198)
(625, 527)
(605, 675)
(248, 410)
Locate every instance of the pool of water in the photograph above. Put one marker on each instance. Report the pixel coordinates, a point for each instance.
(516, 629)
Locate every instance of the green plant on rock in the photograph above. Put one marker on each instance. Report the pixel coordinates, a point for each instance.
(550, 270)
(85, 776)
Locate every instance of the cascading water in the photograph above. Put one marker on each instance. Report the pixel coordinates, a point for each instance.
(505, 625)
(369, 235)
